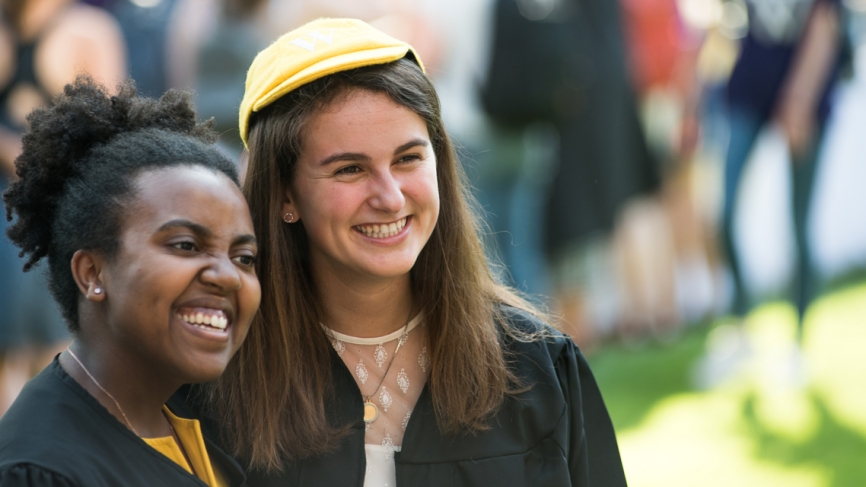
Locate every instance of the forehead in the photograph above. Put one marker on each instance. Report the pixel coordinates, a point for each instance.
(359, 113)
(191, 193)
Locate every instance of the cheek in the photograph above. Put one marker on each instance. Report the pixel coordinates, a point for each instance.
(252, 295)
(331, 208)
(425, 192)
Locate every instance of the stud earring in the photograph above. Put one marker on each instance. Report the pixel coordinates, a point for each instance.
(288, 218)
(98, 290)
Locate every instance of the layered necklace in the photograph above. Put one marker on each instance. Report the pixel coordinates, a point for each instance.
(371, 411)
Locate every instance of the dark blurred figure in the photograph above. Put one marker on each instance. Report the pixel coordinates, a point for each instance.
(144, 24)
(563, 61)
(788, 64)
(212, 52)
(43, 45)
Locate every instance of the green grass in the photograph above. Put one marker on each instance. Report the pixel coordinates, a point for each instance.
(755, 428)
(633, 379)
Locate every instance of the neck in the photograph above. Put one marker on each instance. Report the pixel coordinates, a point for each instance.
(365, 309)
(136, 397)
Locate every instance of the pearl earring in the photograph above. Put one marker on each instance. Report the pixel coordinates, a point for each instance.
(288, 218)
(98, 290)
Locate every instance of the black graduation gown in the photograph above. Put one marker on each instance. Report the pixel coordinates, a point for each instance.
(558, 433)
(56, 434)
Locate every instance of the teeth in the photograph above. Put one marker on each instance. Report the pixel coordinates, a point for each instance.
(214, 319)
(384, 230)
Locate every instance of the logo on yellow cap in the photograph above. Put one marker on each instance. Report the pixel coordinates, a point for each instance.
(311, 46)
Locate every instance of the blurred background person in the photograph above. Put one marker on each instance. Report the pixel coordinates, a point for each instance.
(43, 45)
(660, 242)
(214, 41)
(564, 62)
(787, 68)
(508, 162)
(144, 26)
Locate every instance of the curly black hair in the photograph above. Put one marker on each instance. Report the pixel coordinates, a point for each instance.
(81, 156)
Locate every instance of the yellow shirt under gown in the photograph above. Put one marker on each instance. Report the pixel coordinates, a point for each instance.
(189, 433)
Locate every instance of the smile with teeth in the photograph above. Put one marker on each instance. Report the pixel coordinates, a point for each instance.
(205, 318)
(382, 230)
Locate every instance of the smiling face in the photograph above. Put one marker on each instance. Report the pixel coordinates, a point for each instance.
(365, 188)
(182, 289)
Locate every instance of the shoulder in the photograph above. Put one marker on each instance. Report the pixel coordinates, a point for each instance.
(30, 475)
(56, 426)
(42, 415)
(47, 407)
(56, 429)
(38, 402)
(531, 333)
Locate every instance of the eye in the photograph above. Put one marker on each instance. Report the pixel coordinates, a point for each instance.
(186, 246)
(348, 170)
(409, 158)
(245, 260)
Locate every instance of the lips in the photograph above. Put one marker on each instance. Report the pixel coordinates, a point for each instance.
(382, 230)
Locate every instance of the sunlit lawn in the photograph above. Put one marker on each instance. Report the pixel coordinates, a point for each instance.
(758, 427)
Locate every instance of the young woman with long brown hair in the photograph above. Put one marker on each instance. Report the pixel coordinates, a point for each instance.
(385, 352)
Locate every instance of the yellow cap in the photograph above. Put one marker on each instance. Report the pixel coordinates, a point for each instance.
(313, 51)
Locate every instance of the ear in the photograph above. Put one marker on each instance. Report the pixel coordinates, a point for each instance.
(87, 272)
(289, 206)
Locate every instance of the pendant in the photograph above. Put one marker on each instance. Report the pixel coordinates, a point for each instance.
(371, 412)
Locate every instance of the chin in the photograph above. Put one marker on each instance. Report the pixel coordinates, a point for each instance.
(390, 273)
(393, 267)
(205, 372)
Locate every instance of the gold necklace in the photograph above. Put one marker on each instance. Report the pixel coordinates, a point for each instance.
(103, 391)
(371, 412)
(125, 418)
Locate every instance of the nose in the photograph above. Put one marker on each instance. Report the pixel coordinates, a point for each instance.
(222, 274)
(387, 193)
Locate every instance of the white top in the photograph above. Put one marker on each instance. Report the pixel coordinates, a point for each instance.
(368, 359)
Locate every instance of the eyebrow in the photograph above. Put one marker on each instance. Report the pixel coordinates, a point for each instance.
(200, 230)
(344, 156)
(357, 156)
(412, 143)
(245, 239)
(205, 232)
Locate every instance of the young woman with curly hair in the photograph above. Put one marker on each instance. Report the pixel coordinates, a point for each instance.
(151, 257)
(385, 352)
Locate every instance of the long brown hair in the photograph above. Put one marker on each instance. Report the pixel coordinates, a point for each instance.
(271, 399)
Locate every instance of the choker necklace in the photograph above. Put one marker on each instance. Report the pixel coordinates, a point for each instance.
(103, 390)
(371, 412)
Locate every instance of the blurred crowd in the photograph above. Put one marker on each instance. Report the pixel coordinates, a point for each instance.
(610, 143)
